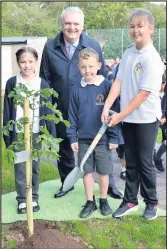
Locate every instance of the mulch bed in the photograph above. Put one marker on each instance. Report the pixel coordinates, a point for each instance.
(46, 236)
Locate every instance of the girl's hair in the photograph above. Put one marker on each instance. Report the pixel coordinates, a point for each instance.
(72, 9)
(142, 12)
(87, 53)
(24, 50)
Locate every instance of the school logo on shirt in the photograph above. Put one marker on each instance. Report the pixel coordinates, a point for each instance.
(100, 99)
(138, 68)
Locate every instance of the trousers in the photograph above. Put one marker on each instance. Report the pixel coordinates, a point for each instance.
(140, 171)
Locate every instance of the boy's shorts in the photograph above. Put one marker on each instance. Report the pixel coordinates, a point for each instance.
(100, 159)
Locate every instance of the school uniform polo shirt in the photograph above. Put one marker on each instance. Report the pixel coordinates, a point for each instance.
(141, 70)
(31, 86)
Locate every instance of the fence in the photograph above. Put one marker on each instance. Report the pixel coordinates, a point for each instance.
(115, 41)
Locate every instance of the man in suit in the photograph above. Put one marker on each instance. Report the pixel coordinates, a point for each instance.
(59, 66)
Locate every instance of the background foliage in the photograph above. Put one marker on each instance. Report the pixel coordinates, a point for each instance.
(103, 21)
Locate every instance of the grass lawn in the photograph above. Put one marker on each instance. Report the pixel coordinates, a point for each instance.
(159, 136)
(127, 233)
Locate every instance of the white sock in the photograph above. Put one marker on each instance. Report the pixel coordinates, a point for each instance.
(22, 205)
(34, 204)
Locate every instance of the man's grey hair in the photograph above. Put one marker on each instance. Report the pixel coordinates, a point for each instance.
(142, 12)
(72, 9)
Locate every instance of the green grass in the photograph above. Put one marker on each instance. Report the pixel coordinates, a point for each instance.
(127, 233)
(159, 136)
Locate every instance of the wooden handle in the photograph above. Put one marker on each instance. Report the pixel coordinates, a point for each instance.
(96, 140)
(28, 172)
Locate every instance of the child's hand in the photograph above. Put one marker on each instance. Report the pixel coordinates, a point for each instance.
(75, 147)
(113, 146)
(114, 120)
(105, 116)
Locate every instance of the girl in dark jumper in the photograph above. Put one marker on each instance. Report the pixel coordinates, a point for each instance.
(27, 61)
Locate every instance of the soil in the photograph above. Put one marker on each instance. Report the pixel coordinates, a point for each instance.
(46, 236)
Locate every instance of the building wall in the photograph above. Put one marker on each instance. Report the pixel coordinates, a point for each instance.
(6, 65)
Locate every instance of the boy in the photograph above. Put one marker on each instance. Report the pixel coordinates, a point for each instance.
(138, 82)
(85, 108)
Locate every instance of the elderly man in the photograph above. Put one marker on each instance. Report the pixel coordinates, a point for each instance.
(59, 66)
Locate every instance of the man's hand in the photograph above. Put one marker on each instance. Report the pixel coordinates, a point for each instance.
(75, 147)
(113, 146)
(114, 119)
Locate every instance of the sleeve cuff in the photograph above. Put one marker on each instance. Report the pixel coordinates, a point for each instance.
(73, 140)
(113, 140)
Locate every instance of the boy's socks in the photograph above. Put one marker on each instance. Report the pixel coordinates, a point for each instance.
(123, 175)
(123, 169)
(123, 166)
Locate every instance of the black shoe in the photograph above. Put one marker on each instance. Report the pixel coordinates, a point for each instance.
(104, 207)
(158, 165)
(150, 212)
(36, 208)
(114, 193)
(123, 175)
(21, 209)
(62, 193)
(125, 208)
(88, 209)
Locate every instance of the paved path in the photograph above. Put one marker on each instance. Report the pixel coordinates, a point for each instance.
(161, 179)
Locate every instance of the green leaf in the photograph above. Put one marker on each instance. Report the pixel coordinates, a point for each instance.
(10, 127)
(6, 132)
(44, 130)
(19, 127)
(9, 155)
(67, 123)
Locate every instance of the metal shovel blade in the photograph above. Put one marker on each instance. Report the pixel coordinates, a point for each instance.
(72, 178)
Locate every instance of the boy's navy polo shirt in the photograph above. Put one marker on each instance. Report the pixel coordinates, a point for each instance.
(85, 108)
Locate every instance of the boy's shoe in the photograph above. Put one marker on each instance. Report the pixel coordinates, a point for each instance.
(158, 165)
(88, 209)
(22, 208)
(36, 206)
(123, 175)
(125, 208)
(104, 207)
(150, 212)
